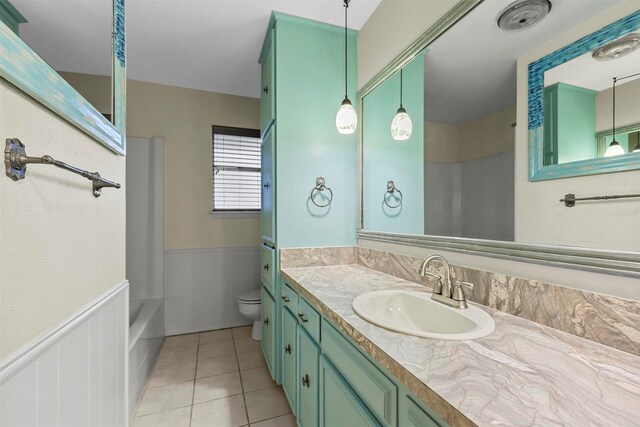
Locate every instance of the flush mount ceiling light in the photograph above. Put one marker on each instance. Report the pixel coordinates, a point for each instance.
(614, 149)
(346, 118)
(401, 126)
(523, 14)
(618, 48)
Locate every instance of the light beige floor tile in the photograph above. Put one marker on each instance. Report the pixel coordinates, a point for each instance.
(211, 388)
(175, 341)
(283, 421)
(159, 399)
(241, 332)
(256, 379)
(266, 403)
(177, 355)
(215, 336)
(216, 366)
(251, 359)
(216, 349)
(225, 412)
(172, 374)
(246, 344)
(175, 418)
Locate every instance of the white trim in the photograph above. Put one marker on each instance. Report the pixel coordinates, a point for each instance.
(30, 352)
(219, 249)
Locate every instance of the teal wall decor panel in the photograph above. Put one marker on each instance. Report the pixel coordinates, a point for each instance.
(400, 161)
(537, 170)
(309, 69)
(23, 68)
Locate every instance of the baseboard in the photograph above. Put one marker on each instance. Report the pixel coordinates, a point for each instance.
(212, 327)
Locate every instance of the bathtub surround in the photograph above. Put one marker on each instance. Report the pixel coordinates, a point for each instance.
(76, 374)
(522, 374)
(604, 319)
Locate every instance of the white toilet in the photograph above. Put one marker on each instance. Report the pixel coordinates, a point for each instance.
(251, 308)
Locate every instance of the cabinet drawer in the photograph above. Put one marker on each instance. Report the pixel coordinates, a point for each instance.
(309, 319)
(290, 298)
(268, 267)
(377, 391)
(414, 415)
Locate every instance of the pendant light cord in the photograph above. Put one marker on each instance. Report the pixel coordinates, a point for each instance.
(346, 8)
(615, 79)
(400, 87)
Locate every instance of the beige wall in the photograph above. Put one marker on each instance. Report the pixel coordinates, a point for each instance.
(540, 218)
(183, 117)
(483, 137)
(392, 27)
(60, 248)
(627, 106)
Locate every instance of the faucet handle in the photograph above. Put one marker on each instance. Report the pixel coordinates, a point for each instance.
(458, 293)
(437, 288)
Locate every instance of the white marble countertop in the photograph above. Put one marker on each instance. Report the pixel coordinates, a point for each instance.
(523, 374)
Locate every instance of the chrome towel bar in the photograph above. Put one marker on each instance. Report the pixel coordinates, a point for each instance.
(571, 199)
(321, 185)
(16, 161)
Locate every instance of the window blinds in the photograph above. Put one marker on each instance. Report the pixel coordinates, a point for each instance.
(236, 169)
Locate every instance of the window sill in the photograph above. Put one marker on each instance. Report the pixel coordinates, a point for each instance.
(235, 214)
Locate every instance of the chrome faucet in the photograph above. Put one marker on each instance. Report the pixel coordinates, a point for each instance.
(447, 290)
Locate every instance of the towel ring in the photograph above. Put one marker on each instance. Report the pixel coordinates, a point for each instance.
(321, 186)
(391, 189)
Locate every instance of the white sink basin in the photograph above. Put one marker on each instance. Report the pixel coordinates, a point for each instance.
(415, 313)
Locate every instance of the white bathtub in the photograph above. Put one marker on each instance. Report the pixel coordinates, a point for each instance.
(146, 332)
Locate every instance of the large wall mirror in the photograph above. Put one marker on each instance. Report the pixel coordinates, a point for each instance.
(50, 42)
(454, 179)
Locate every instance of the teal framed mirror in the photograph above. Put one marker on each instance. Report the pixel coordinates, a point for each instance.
(562, 116)
(21, 66)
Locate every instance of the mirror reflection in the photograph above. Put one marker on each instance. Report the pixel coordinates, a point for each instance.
(457, 171)
(76, 49)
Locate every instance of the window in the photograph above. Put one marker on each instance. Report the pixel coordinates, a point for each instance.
(236, 169)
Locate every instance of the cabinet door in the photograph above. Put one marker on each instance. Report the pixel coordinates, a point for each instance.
(267, 95)
(289, 354)
(268, 329)
(414, 415)
(268, 188)
(339, 405)
(308, 358)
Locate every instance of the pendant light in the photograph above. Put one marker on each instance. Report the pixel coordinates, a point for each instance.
(346, 119)
(614, 148)
(401, 126)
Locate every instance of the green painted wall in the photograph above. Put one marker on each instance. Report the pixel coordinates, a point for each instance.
(400, 161)
(309, 89)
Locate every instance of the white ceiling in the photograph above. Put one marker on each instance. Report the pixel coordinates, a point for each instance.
(202, 44)
(470, 71)
(584, 71)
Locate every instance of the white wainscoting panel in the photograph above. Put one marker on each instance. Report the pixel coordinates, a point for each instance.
(74, 376)
(202, 287)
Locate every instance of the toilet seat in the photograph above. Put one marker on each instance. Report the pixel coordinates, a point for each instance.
(252, 297)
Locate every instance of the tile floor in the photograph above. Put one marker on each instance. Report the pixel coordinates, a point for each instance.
(216, 379)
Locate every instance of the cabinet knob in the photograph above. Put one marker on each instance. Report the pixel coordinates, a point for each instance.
(266, 267)
(302, 318)
(266, 321)
(287, 349)
(285, 299)
(266, 185)
(305, 380)
(265, 89)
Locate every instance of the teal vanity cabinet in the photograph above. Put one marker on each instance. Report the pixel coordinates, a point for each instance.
(10, 16)
(330, 382)
(302, 86)
(268, 342)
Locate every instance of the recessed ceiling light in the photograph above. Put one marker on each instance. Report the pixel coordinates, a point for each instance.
(523, 14)
(618, 48)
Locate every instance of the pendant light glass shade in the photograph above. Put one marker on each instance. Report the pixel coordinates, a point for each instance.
(614, 149)
(401, 126)
(346, 119)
